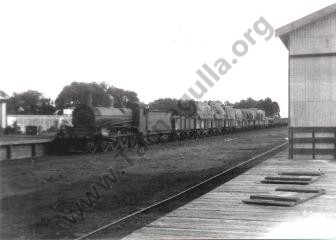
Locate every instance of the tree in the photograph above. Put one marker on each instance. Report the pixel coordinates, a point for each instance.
(30, 102)
(164, 104)
(271, 108)
(186, 108)
(119, 94)
(248, 103)
(78, 92)
(227, 103)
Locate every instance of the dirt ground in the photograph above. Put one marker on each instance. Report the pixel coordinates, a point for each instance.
(36, 194)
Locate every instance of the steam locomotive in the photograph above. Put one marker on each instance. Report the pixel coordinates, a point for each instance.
(109, 128)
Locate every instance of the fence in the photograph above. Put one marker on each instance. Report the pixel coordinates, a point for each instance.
(313, 141)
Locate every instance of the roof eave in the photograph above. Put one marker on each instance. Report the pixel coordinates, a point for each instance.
(285, 40)
(284, 31)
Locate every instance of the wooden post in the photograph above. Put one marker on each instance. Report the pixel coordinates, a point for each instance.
(313, 135)
(33, 150)
(291, 145)
(9, 151)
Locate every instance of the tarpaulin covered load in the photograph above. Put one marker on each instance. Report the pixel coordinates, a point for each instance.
(254, 113)
(186, 108)
(239, 114)
(261, 115)
(219, 112)
(230, 112)
(248, 114)
(204, 111)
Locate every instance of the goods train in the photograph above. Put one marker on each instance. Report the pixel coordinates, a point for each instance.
(109, 128)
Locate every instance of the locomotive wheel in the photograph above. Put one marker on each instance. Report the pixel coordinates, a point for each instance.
(149, 140)
(113, 144)
(156, 139)
(159, 139)
(153, 139)
(132, 141)
(123, 142)
(165, 138)
(91, 147)
(104, 146)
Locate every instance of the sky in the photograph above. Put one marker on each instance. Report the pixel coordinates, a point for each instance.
(152, 47)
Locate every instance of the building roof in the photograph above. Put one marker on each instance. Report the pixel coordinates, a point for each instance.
(285, 30)
(2, 99)
(3, 96)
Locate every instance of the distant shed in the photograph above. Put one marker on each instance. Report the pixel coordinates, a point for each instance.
(42, 122)
(311, 42)
(3, 115)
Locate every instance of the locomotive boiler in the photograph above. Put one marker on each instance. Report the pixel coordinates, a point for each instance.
(101, 117)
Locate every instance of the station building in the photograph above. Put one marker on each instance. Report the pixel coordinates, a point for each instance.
(311, 43)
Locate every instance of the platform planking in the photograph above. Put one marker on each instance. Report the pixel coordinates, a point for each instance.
(220, 214)
(24, 139)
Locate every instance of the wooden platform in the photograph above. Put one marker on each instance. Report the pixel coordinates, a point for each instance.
(220, 214)
(17, 147)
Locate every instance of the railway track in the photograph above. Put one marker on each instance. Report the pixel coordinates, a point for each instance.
(204, 186)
